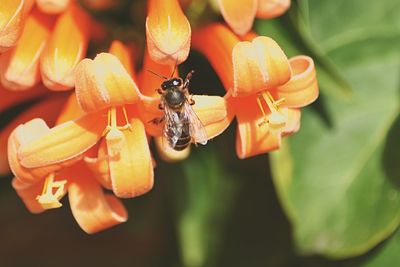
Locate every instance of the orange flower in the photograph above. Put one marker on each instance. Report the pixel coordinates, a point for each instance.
(168, 32)
(267, 89)
(41, 46)
(240, 14)
(93, 210)
(102, 132)
(121, 161)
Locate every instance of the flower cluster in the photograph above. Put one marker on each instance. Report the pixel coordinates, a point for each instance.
(94, 132)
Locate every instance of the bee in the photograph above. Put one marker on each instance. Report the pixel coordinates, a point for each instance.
(182, 126)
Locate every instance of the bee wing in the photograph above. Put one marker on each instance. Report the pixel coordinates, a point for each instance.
(172, 132)
(196, 127)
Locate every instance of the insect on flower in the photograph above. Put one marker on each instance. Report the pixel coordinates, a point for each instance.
(182, 126)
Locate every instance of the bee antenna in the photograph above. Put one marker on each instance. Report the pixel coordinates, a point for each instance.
(159, 75)
(176, 65)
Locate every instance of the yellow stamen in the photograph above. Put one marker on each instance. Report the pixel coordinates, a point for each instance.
(276, 119)
(48, 199)
(112, 121)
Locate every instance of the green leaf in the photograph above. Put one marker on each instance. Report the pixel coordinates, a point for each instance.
(338, 178)
(204, 199)
(388, 255)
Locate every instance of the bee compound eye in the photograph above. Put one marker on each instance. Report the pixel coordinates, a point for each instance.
(176, 82)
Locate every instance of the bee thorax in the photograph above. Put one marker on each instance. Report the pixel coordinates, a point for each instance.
(175, 98)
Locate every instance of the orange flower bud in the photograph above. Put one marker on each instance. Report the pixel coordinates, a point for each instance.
(168, 32)
(19, 67)
(66, 47)
(239, 14)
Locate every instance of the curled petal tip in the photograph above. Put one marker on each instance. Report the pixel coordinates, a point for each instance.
(28, 194)
(169, 154)
(104, 82)
(239, 14)
(168, 32)
(131, 171)
(268, 9)
(302, 88)
(258, 66)
(93, 209)
(63, 142)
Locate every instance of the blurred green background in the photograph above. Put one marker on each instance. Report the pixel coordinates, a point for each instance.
(329, 197)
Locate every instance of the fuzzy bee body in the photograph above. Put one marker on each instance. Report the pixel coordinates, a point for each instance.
(182, 126)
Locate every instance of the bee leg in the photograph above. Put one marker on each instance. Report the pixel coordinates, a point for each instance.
(191, 101)
(159, 91)
(157, 121)
(161, 106)
(187, 79)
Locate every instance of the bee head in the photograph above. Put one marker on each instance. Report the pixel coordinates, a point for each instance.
(170, 83)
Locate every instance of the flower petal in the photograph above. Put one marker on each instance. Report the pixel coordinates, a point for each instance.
(66, 47)
(40, 110)
(268, 9)
(239, 14)
(28, 194)
(148, 81)
(258, 66)
(213, 113)
(169, 154)
(131, 169)
(52, 6)
(92, 209)
(63, 142)
(19, 67)
(104, 82)
(25, 134)
(125, 53)
(12, 19)
(302, 89)
(168, 32)
(216, 42)
(98, 164)
(148, 110)
(254, 136)
(70, 111)
(293, 121)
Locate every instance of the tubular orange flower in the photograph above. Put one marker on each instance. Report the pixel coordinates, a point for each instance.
(168, 32)
(66, 47)
(59, 178)
(265, 86)
(19, 67)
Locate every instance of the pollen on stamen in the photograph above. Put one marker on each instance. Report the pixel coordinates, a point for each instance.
(114, 133)
(50, 199)
(276, 120)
